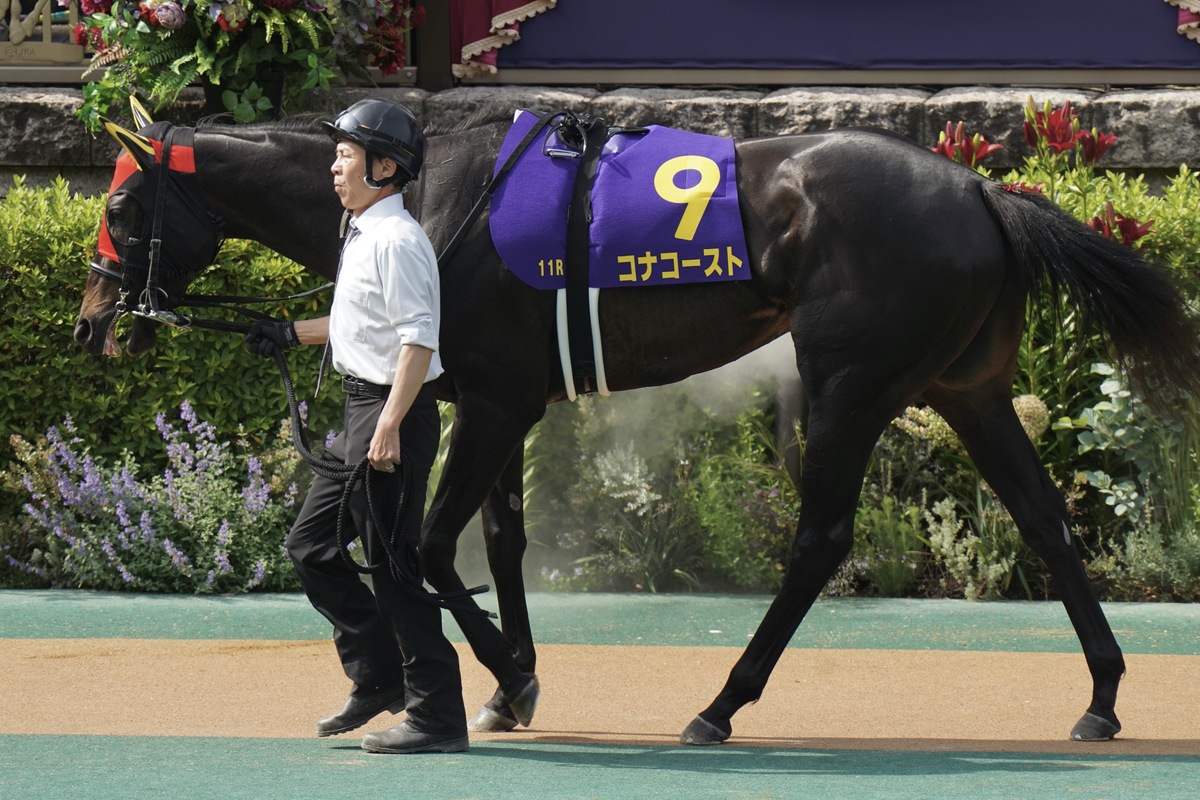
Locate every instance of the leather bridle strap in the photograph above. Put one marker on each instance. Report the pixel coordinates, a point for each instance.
(149, 300)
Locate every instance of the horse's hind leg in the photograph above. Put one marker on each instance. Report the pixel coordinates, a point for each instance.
(989, 428)
(839, 442)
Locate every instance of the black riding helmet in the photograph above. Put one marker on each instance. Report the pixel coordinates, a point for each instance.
(383, 129)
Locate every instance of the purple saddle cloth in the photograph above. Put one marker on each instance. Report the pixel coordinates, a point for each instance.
(664, 210)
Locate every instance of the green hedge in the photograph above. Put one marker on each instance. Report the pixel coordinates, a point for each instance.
(49, 236)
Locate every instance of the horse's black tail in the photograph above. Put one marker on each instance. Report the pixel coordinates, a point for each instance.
(1134, 302)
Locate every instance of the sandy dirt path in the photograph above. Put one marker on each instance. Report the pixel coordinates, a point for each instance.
(836, 699)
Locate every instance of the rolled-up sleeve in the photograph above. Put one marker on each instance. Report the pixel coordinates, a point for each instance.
(409, 280)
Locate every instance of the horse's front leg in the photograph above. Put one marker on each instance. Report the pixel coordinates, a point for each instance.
(483, 469)
(504, 535)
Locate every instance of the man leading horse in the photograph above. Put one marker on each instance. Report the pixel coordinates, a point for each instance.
(382, 334)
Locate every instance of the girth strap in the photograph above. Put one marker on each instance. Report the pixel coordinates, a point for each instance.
(579, 220)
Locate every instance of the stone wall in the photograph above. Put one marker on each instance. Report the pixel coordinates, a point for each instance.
(1159, 127)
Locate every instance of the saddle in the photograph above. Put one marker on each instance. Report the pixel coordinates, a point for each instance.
(600, 207)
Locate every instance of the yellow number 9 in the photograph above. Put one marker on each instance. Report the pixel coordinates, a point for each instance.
(695, 198)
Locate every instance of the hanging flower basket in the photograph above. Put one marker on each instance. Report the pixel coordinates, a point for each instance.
(241, 50)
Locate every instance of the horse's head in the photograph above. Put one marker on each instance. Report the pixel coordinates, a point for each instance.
(158, 234)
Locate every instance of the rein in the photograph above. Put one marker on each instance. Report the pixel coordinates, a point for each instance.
(185, 322)
(490, 189)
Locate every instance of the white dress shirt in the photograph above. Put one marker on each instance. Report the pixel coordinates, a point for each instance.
(388, 294)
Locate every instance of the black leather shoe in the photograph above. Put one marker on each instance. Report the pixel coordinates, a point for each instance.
(406, 739)
(361, 709)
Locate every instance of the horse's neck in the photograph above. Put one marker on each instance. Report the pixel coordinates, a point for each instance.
(457, 168)
(273, 186)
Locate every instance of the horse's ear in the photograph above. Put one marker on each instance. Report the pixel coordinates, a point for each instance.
(138, 146)
(141, 116)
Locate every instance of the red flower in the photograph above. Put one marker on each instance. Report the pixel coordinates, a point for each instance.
(947, 142)
(1058, 128)
(1020, 187)
(1094, 144)
(954, 144)
(1113, 225)
(976, 149)
(233, 18)
(385, 42)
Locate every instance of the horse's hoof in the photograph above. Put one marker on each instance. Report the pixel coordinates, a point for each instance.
(703, 732)
(523, 705)
(1093, 728)
(488, 720)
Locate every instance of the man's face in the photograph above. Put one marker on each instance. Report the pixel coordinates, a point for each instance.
(349, 171)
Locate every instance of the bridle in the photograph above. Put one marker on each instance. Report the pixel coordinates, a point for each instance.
(197, 231)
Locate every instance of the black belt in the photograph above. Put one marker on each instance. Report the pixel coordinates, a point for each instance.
(357, 387)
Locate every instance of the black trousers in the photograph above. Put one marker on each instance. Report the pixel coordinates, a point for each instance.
(387, 637)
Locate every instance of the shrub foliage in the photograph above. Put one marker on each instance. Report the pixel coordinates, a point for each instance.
(616, 497)
(48, 237)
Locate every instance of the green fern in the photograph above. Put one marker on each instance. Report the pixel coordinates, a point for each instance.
(105, 58)
(311, 30)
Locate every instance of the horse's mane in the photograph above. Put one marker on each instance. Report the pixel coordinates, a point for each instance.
(310, 122)
(307, 122)
(476, 120)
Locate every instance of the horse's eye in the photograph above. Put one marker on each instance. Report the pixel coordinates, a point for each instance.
(118, 223)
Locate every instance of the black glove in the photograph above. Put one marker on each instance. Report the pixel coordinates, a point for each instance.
(265, 337)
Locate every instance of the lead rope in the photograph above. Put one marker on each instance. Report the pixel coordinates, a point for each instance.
(405, 567)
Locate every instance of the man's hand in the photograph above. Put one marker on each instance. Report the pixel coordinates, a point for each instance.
(384, 451)
(265, 337)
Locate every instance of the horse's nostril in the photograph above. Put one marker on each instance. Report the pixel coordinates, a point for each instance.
(83, 331)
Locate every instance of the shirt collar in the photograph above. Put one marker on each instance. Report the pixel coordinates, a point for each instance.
(378, 211)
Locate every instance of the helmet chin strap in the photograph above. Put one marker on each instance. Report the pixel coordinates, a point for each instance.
(369, 179)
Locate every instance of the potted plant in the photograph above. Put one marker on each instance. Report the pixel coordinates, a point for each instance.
(254, 57)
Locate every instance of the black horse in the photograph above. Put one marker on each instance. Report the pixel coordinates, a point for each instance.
(900, 276)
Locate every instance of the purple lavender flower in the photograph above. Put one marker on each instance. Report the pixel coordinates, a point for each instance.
(221, 553)
(257, 493)
(27, 568)
(146, 524)
(260, 572)
(122, 512)
(178, 558)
